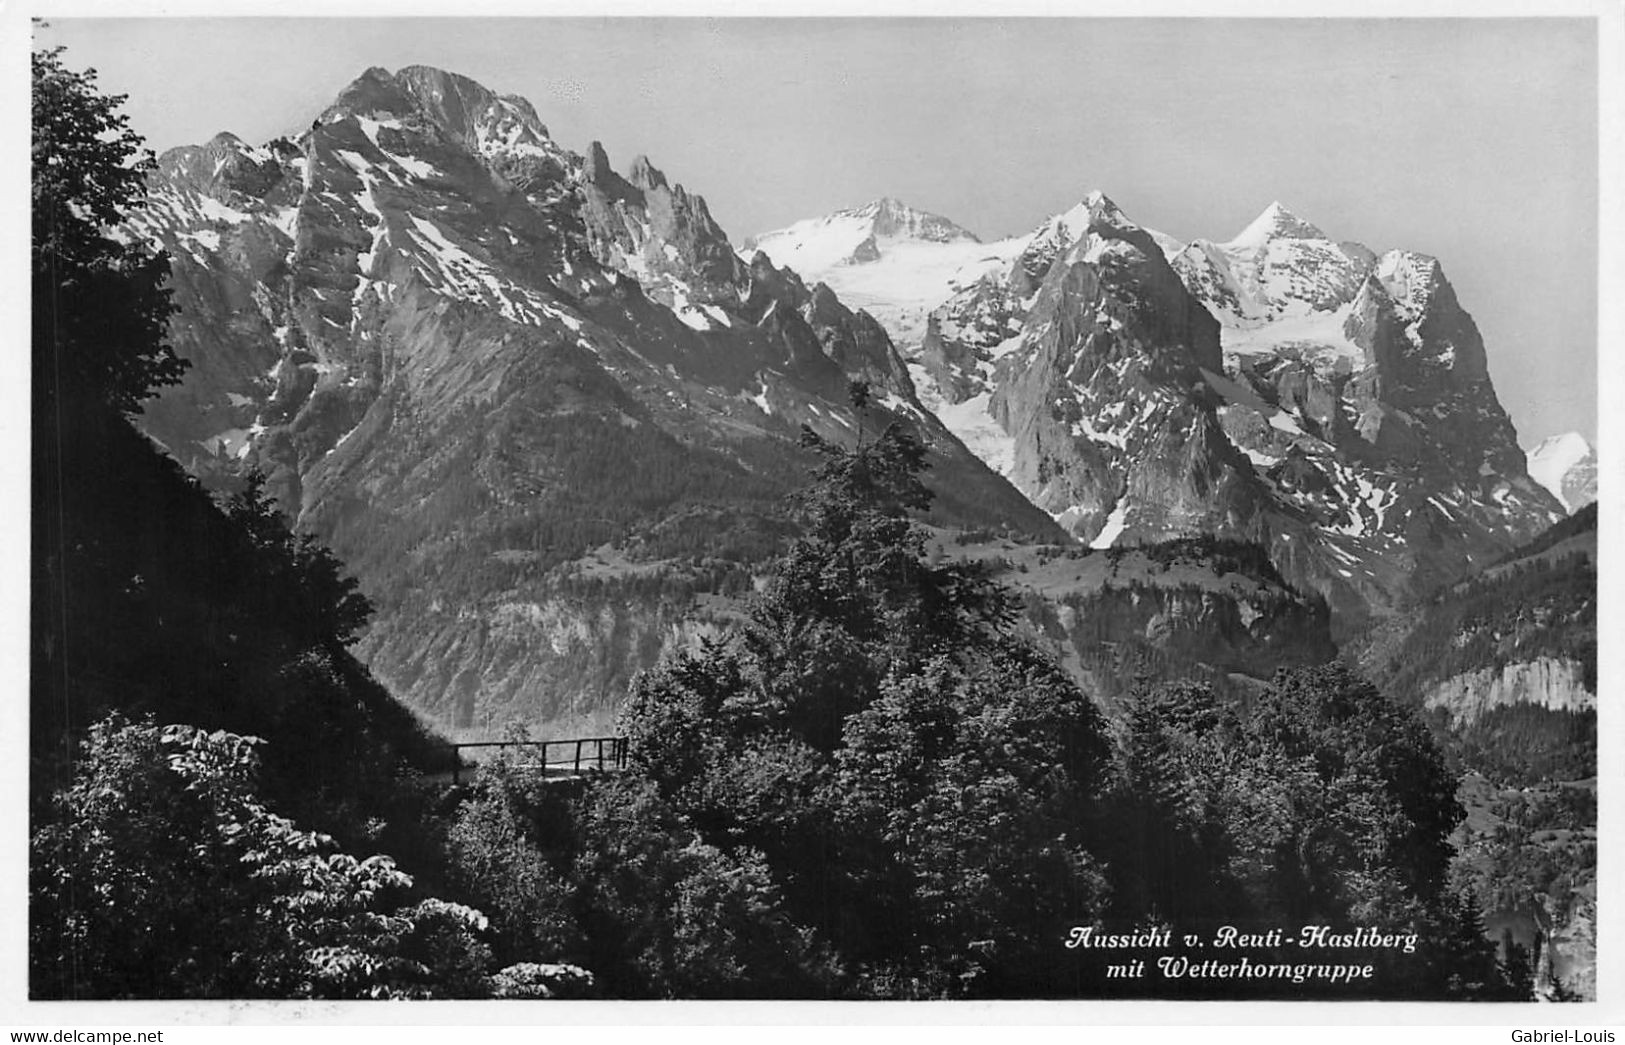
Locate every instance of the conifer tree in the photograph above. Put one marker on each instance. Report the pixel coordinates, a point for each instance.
(100, 307)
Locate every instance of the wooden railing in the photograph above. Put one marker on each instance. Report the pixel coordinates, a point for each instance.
(573, 756)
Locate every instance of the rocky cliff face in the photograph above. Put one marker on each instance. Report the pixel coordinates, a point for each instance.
(1202, 608)
(1124, 632)
(1313, 396)
(467, 357)
(1546, 682)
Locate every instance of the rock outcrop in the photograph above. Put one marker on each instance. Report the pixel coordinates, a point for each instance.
(1546, 682)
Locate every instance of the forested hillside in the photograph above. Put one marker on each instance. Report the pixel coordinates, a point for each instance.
(1505, 662)
(1504, 667)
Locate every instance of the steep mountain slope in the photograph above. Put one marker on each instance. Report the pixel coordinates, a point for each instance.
(466, 356)
(1280, 387)
(1566, 465)
(154, 600)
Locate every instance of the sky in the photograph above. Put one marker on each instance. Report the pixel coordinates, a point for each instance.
(1474, 140)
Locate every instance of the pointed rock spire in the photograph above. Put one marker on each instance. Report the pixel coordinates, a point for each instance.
(596, 169)
(645, 175)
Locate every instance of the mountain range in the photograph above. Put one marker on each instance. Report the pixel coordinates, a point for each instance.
(540, 407)
(1328, 402)
(549, 415)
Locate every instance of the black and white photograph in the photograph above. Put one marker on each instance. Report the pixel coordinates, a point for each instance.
(956, 508)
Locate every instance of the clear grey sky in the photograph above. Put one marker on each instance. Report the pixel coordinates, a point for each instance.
(1471, 139)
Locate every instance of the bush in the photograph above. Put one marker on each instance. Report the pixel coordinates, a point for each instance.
(162, 875)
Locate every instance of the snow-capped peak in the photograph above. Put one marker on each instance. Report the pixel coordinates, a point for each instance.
(1566, 465)
(1103, 211)
(1276, 222)
(1098, 200)
(894, 219)
(855, 236)
(1409, 278)
(1060, 232)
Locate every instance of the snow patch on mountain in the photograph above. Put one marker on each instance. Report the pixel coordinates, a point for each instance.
(1113, 528)
(908, 280)
(1319, 334)
(892, 261)
(969, 421)
(1566, 465)
(854, 236)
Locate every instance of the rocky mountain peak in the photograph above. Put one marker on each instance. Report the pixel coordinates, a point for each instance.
(1080, 233)
(596, 168)
(376, 92)
(1275, 222)
(463, 110)
(1103, 211)
(1413, 330)
(645, 175)
(1411, 279)
(658, 233)
(892, 218)
(222, 165)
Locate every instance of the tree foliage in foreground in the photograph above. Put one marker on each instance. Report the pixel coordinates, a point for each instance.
(916, 780)
(100, 307)
(157, 867)
(163, 875)
(1321, 803)
(147, 597)
(908, 801)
